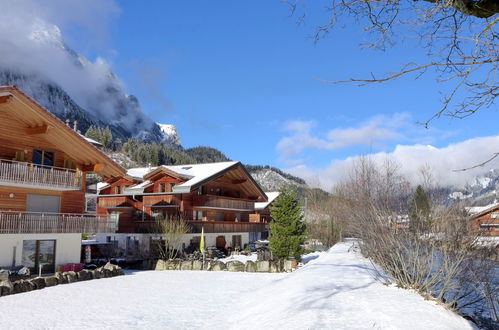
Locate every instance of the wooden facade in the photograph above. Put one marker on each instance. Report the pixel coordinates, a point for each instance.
(486, 223)
(43, 167)
(225, 201)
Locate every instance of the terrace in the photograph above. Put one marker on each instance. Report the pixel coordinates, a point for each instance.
(23, 174)
(222, 203)
(17, 222)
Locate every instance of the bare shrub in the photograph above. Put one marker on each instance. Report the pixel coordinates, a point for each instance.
(324, 217)
(440, 260)
(171, 231)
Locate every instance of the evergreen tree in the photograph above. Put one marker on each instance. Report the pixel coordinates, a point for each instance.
(419, 212)
(102, 135)
(287, 226)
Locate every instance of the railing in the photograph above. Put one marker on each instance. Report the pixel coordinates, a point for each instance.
(195, 227)
(12, 222)
(223, 202)
(32, 174)
(226, 227)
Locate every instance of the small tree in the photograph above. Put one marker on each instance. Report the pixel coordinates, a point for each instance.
(287, 226)
(419, 211)
(172, 231)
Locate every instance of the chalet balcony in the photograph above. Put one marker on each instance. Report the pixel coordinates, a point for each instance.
(195, 227)
(226, 227)
(21, 174)
(12, 222)
(223, 203)
(117, 202)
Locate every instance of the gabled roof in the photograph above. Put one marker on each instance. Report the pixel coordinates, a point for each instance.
(138, 188)
(194, 175)
(478, 211)
(271, 195)
(39, 120)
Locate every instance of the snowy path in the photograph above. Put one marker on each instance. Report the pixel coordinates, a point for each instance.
(334, 291)
(338, 291)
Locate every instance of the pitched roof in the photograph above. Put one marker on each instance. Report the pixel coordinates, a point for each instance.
(478, 211)
(272, 195)
(194, 174)
(33, 116)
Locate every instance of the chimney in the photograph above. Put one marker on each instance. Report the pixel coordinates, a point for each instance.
(67, 122)
(75, 125)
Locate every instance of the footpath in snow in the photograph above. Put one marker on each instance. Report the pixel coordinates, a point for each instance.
(335, 290)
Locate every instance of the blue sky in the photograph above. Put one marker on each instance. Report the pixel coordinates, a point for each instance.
(243, 77)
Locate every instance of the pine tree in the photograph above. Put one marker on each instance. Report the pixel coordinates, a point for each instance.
(419, 212)
(287, 226)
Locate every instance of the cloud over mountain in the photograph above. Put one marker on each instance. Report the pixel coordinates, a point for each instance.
(33, 46)
(442, 162)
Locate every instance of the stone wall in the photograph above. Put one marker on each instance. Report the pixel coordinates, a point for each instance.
(231, 266)
(7, 287)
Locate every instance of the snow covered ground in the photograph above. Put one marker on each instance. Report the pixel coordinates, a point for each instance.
(336, 290)
(239, 257)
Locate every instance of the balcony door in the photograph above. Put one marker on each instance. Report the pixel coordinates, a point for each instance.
(43, 203)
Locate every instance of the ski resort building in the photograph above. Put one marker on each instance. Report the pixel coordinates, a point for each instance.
(217, 198)
(43, 168)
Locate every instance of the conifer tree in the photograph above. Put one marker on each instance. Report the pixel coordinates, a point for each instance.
(287, 226)
(419, 211)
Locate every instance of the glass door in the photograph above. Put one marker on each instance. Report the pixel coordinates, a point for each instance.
(38, 253)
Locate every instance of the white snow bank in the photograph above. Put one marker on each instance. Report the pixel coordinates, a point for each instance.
(310, 256)
(239, 257)
(337, 291)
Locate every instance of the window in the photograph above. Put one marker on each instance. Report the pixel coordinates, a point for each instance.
(197, 215)
(162, 187)
(21, 156)
(68, 163)
(219, 216)
(43, 157)
(119, 190)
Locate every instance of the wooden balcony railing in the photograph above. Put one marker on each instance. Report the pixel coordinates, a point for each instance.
(12, 222)
(117, 201)
(21, 173)
(226, 227)
(195, 227)
(223, 202)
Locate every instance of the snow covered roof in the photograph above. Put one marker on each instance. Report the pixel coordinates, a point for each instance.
(272, 195)
(195, 174)
(102, 185)
(139, 188)
(476, 211)
(91, 141)
(198, 173)
(139, 172)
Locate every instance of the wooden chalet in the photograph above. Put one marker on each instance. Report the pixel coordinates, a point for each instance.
(217, 197)
(43, 167)
(485, 220)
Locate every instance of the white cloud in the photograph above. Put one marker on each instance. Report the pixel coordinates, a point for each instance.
(372, 132)
(441, 161)
(31, 42)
